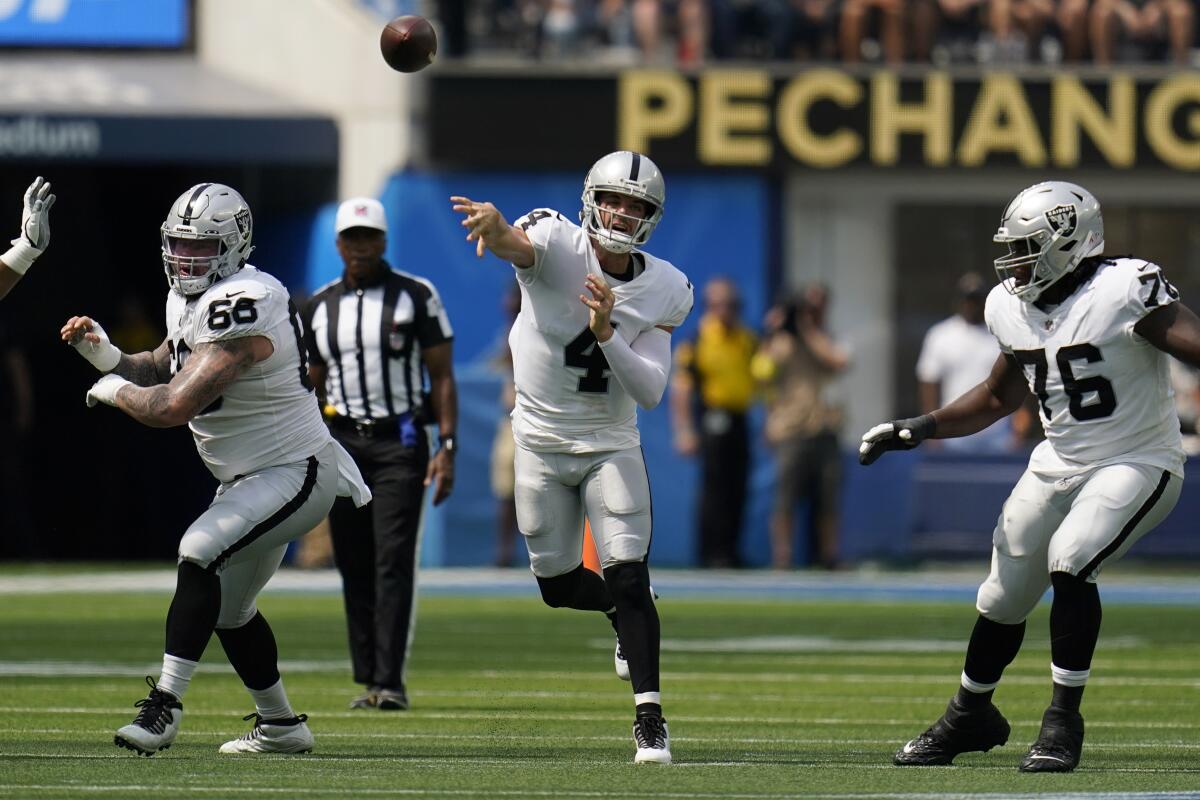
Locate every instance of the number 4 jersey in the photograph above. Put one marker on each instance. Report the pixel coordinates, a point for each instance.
(567, 399)
(1103, 391)
(269, 415)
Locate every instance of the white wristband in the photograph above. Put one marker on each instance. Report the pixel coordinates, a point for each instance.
(102, 355)
(20, 256)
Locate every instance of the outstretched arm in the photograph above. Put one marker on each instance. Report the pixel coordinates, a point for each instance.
(205, 376)
(489, 230)
(33, 239)
(1174, 329)
(89, 338)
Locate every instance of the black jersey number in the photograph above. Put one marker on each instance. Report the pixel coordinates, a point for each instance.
(584, 353)
(1158, 281)
(223, 313)
(298, 329)
(1076, 389)
(532, 219)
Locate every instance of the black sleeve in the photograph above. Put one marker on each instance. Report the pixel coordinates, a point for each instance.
(307, 309)
(432, 327)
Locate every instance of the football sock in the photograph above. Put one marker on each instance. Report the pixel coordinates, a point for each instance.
(637, 622)
(176, 675)
(1068, 687)
(993, 647)
(580, 588)
(1074, 622)
(194, 611)
(272, 703)
(252, 651)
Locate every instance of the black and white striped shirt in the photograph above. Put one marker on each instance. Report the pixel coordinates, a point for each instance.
(371, 340)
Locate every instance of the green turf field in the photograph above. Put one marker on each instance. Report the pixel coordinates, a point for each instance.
(512, 699)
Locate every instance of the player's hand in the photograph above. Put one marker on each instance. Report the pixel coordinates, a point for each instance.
(90, 341)
(899, 434)
(440, 475)
(600, 304)
(687, 443)
(484, 223)
(105, 390)
(34, 237)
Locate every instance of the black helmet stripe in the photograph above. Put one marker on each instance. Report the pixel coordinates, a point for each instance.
(187, 212)
(636, 167)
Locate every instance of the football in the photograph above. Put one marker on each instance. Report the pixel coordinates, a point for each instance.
(408, 43)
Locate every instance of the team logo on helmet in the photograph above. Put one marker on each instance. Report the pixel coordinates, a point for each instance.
(1063, 219)
(242, 219)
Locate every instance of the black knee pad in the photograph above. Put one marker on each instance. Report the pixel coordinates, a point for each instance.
(559, 591)
(629, 584)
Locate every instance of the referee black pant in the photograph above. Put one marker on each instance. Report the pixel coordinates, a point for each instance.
(375, 549)
(724, 467)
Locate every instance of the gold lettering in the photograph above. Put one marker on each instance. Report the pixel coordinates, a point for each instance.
(721, 116)
(1001, 121)
(890, 118)
(831, 150)
(1072, 109)
(1159, 115)
(651, 104)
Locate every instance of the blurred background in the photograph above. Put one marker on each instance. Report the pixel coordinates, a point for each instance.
(836, 166)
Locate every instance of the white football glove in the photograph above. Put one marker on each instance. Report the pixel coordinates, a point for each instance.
(899, 434)
(105, 390)
(103, 355)
(35, 228)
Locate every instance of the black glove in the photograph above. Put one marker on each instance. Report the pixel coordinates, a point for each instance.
(899, 434)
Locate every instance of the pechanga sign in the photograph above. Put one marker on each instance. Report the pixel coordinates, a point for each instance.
(824, 118)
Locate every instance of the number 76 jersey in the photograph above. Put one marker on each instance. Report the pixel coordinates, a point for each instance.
(568, 401)
(1104, 392)
(269, 415)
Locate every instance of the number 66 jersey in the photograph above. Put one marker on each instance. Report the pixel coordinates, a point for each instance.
(567, 399)
(269, 415)
(1103, 391)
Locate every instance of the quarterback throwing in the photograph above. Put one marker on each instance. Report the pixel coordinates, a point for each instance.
(591, 344)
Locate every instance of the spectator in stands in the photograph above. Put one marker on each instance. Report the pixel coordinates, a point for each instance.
(692, 22)
(712, 377)
(798, 361)
(1071, 17)
(750, 28)
(629, 30)
(1016, 29)
(814, 23)
(853, 29)
(957, 354)
(1144, 25)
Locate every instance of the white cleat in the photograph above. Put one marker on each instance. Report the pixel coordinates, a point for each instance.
(273, 736)
(652, 739)
(155, 726)
(620, 664)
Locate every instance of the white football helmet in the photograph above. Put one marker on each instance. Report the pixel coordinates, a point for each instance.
(207, 212)
(1049, 228)
(631, 174)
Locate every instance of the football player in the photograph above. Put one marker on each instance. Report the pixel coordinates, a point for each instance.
(31, 242)
(233, 368)
(592, 342)
(1089, 335)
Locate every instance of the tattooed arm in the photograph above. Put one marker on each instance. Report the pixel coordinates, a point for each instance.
(208, 371)
(146, 369)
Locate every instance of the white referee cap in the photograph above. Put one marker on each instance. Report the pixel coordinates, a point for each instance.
(361, 212)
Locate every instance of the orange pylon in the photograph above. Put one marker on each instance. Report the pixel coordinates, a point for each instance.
(591, 559)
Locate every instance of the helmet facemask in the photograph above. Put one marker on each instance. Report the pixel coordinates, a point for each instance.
(206, 237)
(607, 236)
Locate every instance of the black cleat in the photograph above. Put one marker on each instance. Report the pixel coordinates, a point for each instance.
(1059, 744)
(958, 731)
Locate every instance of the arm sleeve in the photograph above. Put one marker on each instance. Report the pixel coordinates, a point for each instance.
(310, 337)
(433, 324)
(641, 367)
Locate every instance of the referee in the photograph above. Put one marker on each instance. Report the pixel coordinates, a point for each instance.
(373, 335)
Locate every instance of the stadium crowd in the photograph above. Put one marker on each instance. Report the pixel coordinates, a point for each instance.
(941, 32)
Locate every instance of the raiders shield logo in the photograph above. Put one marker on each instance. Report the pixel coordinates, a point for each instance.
(1062, 218)
(242, 220)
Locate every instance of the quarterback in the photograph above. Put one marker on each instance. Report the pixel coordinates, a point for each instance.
(592, 342)
(33, 239)
(233, 368)
(1089, 335)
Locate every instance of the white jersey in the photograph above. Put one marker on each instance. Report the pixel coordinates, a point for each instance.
(269, 415)
(567, 400)
(1104, 391)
